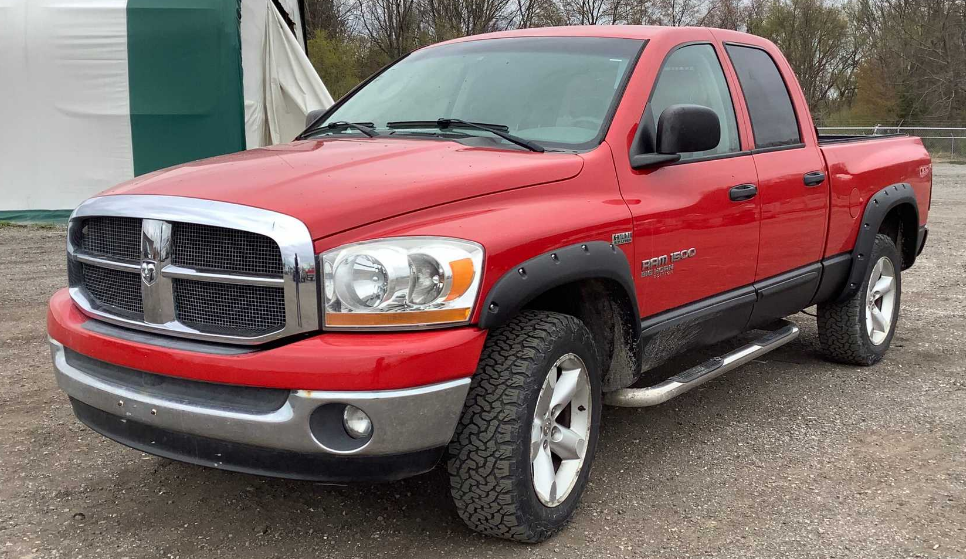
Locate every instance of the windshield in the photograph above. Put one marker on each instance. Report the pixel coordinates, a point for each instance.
(554, 91)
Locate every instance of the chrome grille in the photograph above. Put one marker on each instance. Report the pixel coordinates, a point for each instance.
(117, 290)
(229, 308)
(217, 248)
(112, 237)
(193, 268)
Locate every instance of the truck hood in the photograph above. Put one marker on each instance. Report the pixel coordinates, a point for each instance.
(336, 185)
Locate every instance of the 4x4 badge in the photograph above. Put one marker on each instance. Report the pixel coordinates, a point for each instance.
(621, 238)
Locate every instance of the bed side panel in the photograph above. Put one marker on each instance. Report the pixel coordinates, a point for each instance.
(860, 169)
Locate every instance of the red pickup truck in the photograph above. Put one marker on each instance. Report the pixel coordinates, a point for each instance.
(472, 252)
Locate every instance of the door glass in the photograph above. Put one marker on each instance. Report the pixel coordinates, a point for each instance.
(772, 115)
(692, 75)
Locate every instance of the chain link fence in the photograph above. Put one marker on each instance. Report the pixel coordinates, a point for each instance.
(944, 144)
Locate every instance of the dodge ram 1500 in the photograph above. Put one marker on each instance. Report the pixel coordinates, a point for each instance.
(472, 252)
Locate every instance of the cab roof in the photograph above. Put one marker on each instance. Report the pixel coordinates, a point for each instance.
(640, 32)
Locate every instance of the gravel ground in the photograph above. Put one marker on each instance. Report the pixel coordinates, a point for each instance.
(789, 456)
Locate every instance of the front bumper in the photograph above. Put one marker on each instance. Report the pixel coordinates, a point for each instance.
(403, 420)
(250, 459)
(238, 411)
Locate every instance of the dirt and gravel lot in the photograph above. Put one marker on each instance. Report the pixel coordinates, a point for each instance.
(788, 457)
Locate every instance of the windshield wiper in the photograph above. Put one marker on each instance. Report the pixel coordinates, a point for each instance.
(444, 123)
(364, 127)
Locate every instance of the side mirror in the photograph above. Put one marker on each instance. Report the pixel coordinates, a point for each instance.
(681, 129)
(687, 128)
(313, 116)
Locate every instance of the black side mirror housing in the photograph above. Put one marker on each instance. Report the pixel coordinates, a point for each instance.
(687, 128)
(313, 116)
(680, 129)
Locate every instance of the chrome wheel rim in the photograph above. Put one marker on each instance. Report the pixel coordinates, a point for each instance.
(881, 300)
(560, 431)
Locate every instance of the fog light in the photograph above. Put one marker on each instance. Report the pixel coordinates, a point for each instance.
(356, 422)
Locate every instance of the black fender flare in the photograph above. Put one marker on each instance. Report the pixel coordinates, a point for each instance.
(528, 280)
(876, 210)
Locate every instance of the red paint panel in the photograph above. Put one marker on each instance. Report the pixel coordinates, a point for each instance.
(868, 167)
(687, 206)
(683, 206)
(794, 217)
(516, 225)
(330, 361)
(335, 185)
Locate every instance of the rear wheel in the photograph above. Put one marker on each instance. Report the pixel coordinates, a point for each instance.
(523, 448)
(859, 330)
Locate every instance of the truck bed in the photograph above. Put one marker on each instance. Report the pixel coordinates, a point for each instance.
(858, 167)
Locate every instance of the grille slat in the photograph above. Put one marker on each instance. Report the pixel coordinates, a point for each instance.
(117, 290)
(117, 238)
(229, 308)
(205, 247)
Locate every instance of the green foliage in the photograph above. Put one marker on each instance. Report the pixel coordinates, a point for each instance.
(859, 62)
(339, 61)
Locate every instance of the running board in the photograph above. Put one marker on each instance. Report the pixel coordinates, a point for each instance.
(700, 374)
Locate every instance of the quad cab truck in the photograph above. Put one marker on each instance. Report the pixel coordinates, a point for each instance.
(472, 252)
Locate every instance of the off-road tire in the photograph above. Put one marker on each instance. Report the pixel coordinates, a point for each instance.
(489, 458)
(841, 325)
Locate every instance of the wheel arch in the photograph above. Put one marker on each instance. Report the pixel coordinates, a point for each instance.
(591, 281)
(893, 211)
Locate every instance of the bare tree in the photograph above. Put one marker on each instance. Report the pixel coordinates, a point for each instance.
(537, 13)
(392, 26)
(329, 16)
(919, 48)
(457, 18)
(726, 14)
(678, 12)
(817, 40)
(586, 12)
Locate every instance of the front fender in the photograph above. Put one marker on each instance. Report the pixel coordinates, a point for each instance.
(583, 261)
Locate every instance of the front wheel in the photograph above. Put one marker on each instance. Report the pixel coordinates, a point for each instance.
(523, 448)
(858, 331)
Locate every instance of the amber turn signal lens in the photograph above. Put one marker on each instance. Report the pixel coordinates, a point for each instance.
(411, 318)
(463, 275)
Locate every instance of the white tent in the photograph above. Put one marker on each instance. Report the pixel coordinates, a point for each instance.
(94, 92)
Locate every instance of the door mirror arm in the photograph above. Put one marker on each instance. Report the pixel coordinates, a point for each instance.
(644, 160)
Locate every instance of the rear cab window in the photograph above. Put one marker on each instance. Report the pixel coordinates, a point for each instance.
(773, 120)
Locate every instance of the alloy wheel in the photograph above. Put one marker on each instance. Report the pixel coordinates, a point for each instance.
(561, 429)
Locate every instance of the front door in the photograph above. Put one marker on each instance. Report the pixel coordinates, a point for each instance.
(696, 222)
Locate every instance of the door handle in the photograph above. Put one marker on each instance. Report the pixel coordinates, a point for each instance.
(742, 192)
(814, 178)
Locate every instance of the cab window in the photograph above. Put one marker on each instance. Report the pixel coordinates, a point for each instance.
(692, 75)
(773, 119)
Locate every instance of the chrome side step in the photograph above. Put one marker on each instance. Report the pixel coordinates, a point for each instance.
(700, 374)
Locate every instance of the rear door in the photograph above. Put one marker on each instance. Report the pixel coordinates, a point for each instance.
(694, 237)
(792, 187)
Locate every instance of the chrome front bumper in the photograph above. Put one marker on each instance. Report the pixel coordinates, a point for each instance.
(404, 421)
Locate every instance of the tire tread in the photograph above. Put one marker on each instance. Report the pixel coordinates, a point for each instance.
(484, 474)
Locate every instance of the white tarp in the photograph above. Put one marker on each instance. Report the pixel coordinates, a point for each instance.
(65, 125)
(65, 130)
(284, 87)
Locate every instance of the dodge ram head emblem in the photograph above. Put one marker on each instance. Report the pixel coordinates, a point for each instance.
(149, 272)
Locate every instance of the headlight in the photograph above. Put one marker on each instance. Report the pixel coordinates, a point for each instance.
(402, 282)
